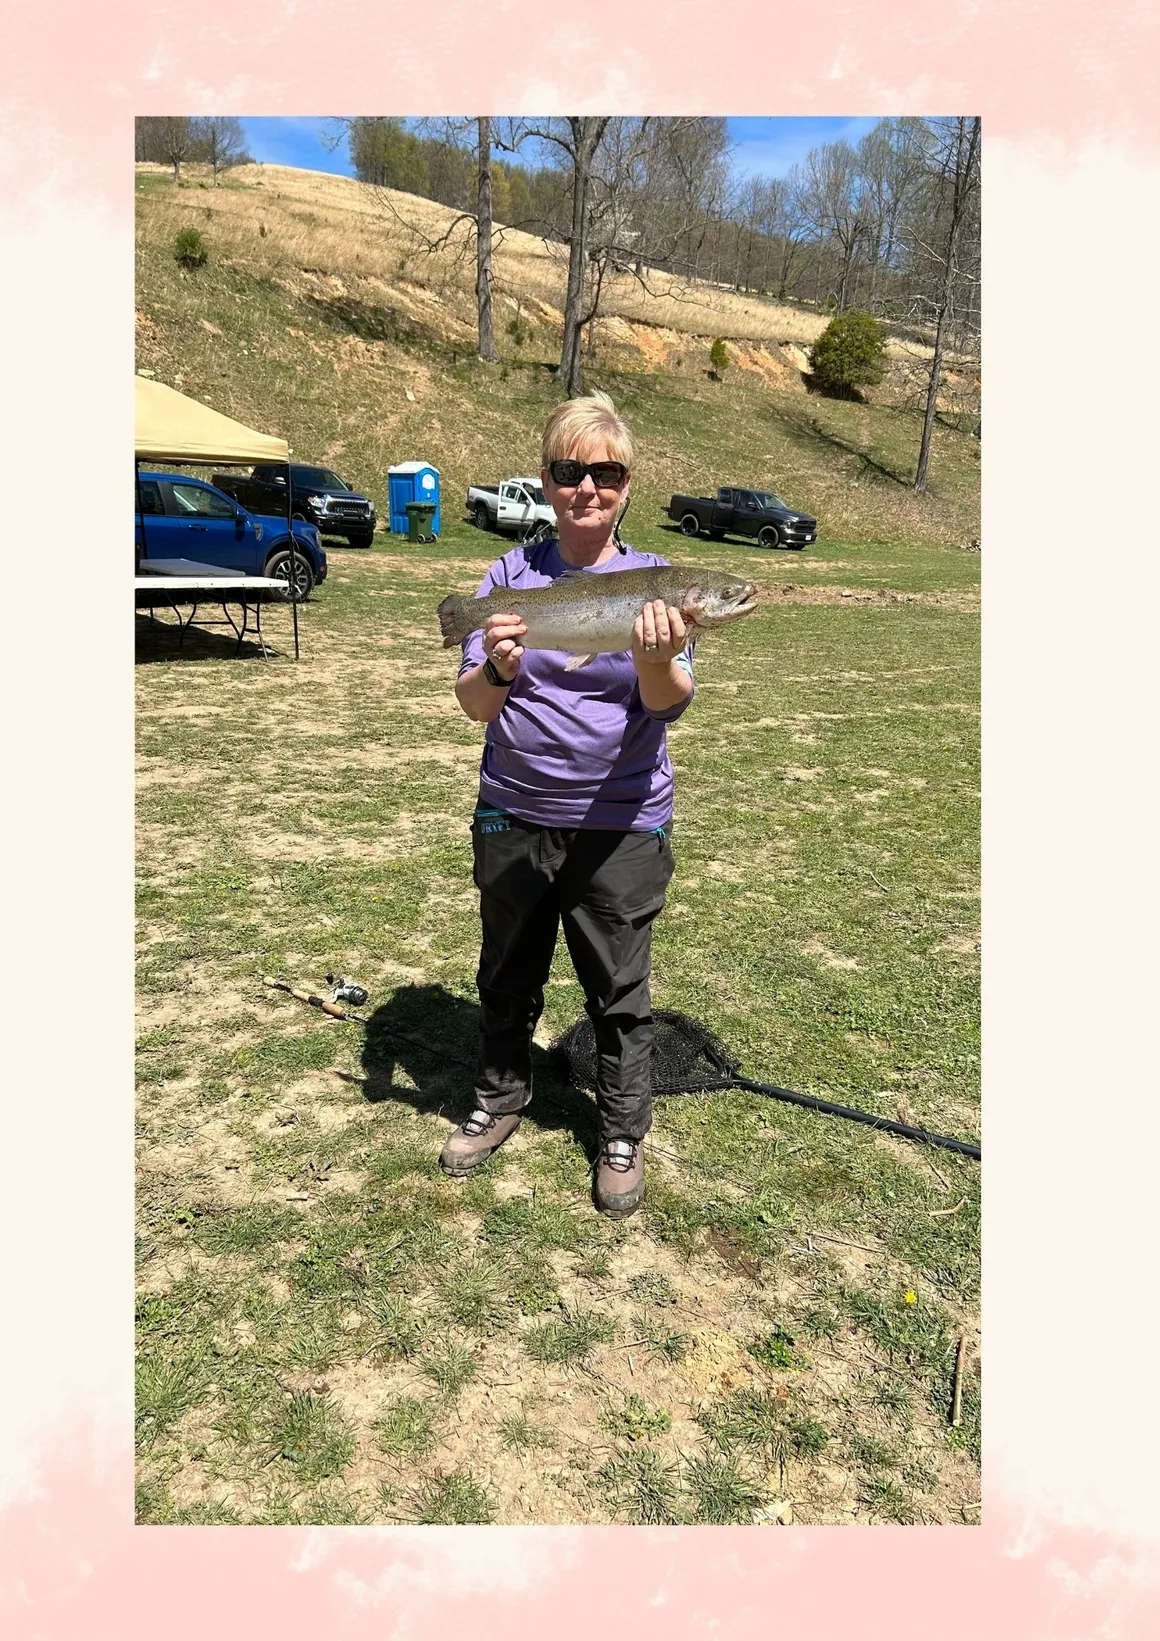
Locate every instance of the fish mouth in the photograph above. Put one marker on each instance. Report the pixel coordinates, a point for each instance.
(743, 601)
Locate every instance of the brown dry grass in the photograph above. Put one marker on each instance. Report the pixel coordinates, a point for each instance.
(314, 221)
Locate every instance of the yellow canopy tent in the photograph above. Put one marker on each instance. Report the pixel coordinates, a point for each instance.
(173, 428)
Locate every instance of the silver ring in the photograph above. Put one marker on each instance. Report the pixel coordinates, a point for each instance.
(650, 646)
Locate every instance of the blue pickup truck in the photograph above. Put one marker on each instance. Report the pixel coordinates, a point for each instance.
(186, 518)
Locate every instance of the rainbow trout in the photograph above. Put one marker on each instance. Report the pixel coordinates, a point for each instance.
(591, 614)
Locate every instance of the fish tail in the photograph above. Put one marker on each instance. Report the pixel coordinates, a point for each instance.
(455, 619)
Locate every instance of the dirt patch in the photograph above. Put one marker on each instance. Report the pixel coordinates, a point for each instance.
(964, 599)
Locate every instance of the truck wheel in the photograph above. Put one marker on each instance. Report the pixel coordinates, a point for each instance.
(690, 524)
(361, 538)
(768, 536)
(482, 516)
(278, 566)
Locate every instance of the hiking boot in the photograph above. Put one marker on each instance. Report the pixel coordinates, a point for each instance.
(619, 1177)
(475, 1140)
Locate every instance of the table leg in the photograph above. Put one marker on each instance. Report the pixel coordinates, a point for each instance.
(234, 625)
(258, 628)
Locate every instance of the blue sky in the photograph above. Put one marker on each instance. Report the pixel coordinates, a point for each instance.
(763, 146)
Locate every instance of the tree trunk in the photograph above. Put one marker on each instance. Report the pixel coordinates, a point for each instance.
(586, 133)
(487, 347)
(932, 386)
(963, 169)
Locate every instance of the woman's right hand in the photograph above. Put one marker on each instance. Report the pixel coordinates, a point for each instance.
(501, 635)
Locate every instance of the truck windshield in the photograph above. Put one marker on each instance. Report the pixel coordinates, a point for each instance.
(321, 476)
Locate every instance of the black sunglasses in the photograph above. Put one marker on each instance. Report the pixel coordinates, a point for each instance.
(604, 475)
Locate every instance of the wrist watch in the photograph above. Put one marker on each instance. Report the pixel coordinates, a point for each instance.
(493, 675)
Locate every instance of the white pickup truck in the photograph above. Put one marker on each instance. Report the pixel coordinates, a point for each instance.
(516, 504)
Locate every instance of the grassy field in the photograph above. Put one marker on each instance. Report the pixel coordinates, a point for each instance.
(331, 1331)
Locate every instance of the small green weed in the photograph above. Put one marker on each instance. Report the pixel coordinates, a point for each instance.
(670, 1343)
(450, 1367)
(641, 1486)
(519, 1435)
(311, 1433)
(453, 1500)
(405, 1430)
(886, 1500)
(634, 1419)
(777, 1349)
(652, 1288)
(534, 1291)
(569, 1339)
(468, 1295)
(167, 1387)
(395, 1329)
(722, 1494)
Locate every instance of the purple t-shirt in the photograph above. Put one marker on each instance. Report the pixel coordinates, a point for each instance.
(574, 749)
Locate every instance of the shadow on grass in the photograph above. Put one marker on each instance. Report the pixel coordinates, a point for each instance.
(161, 640)
(432, 1035)
(810, 432)
(726, 539)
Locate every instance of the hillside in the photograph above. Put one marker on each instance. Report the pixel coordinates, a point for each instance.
(320, 316)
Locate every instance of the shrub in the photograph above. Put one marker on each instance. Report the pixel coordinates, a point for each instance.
(848, 353)
(189, 248)
(718, 355)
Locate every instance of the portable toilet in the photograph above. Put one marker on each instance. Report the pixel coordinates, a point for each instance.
(411, 481)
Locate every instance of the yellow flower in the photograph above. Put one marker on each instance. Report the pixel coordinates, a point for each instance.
(911, 1297)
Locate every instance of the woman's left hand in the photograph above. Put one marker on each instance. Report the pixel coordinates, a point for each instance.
(659, 633)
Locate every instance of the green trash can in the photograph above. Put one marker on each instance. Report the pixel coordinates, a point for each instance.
(420, 517)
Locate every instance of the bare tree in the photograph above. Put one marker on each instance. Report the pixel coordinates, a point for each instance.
(957, 193)
(219, 140)
(833, 203)
(483, 239)
(388, 157)
(175, 139)
(891, 162)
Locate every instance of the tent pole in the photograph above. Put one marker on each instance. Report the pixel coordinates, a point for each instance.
(140, 506)
(293, 561)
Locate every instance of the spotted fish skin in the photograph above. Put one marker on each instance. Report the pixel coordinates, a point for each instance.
(593, 614)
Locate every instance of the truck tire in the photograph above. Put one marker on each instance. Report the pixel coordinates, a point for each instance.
(278, 566)
(690, 524)
(481, 516)
(769, 536)
(361, 538)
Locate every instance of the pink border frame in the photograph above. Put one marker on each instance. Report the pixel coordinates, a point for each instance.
(1068, 96)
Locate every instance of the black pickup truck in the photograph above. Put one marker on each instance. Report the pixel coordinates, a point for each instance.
(744, 513)
(317, 495)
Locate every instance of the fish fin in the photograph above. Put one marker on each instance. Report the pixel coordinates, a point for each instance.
(578, 661)
(454, 621)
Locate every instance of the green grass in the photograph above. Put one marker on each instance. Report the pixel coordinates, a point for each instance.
(450, 1367)
(568, 1339)
(406, 1430)
(294, 1229)
(454, 1500)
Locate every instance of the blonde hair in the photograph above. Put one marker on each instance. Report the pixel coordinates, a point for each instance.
(579, 427)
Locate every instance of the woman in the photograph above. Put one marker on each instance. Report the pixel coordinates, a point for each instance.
(575, 812)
